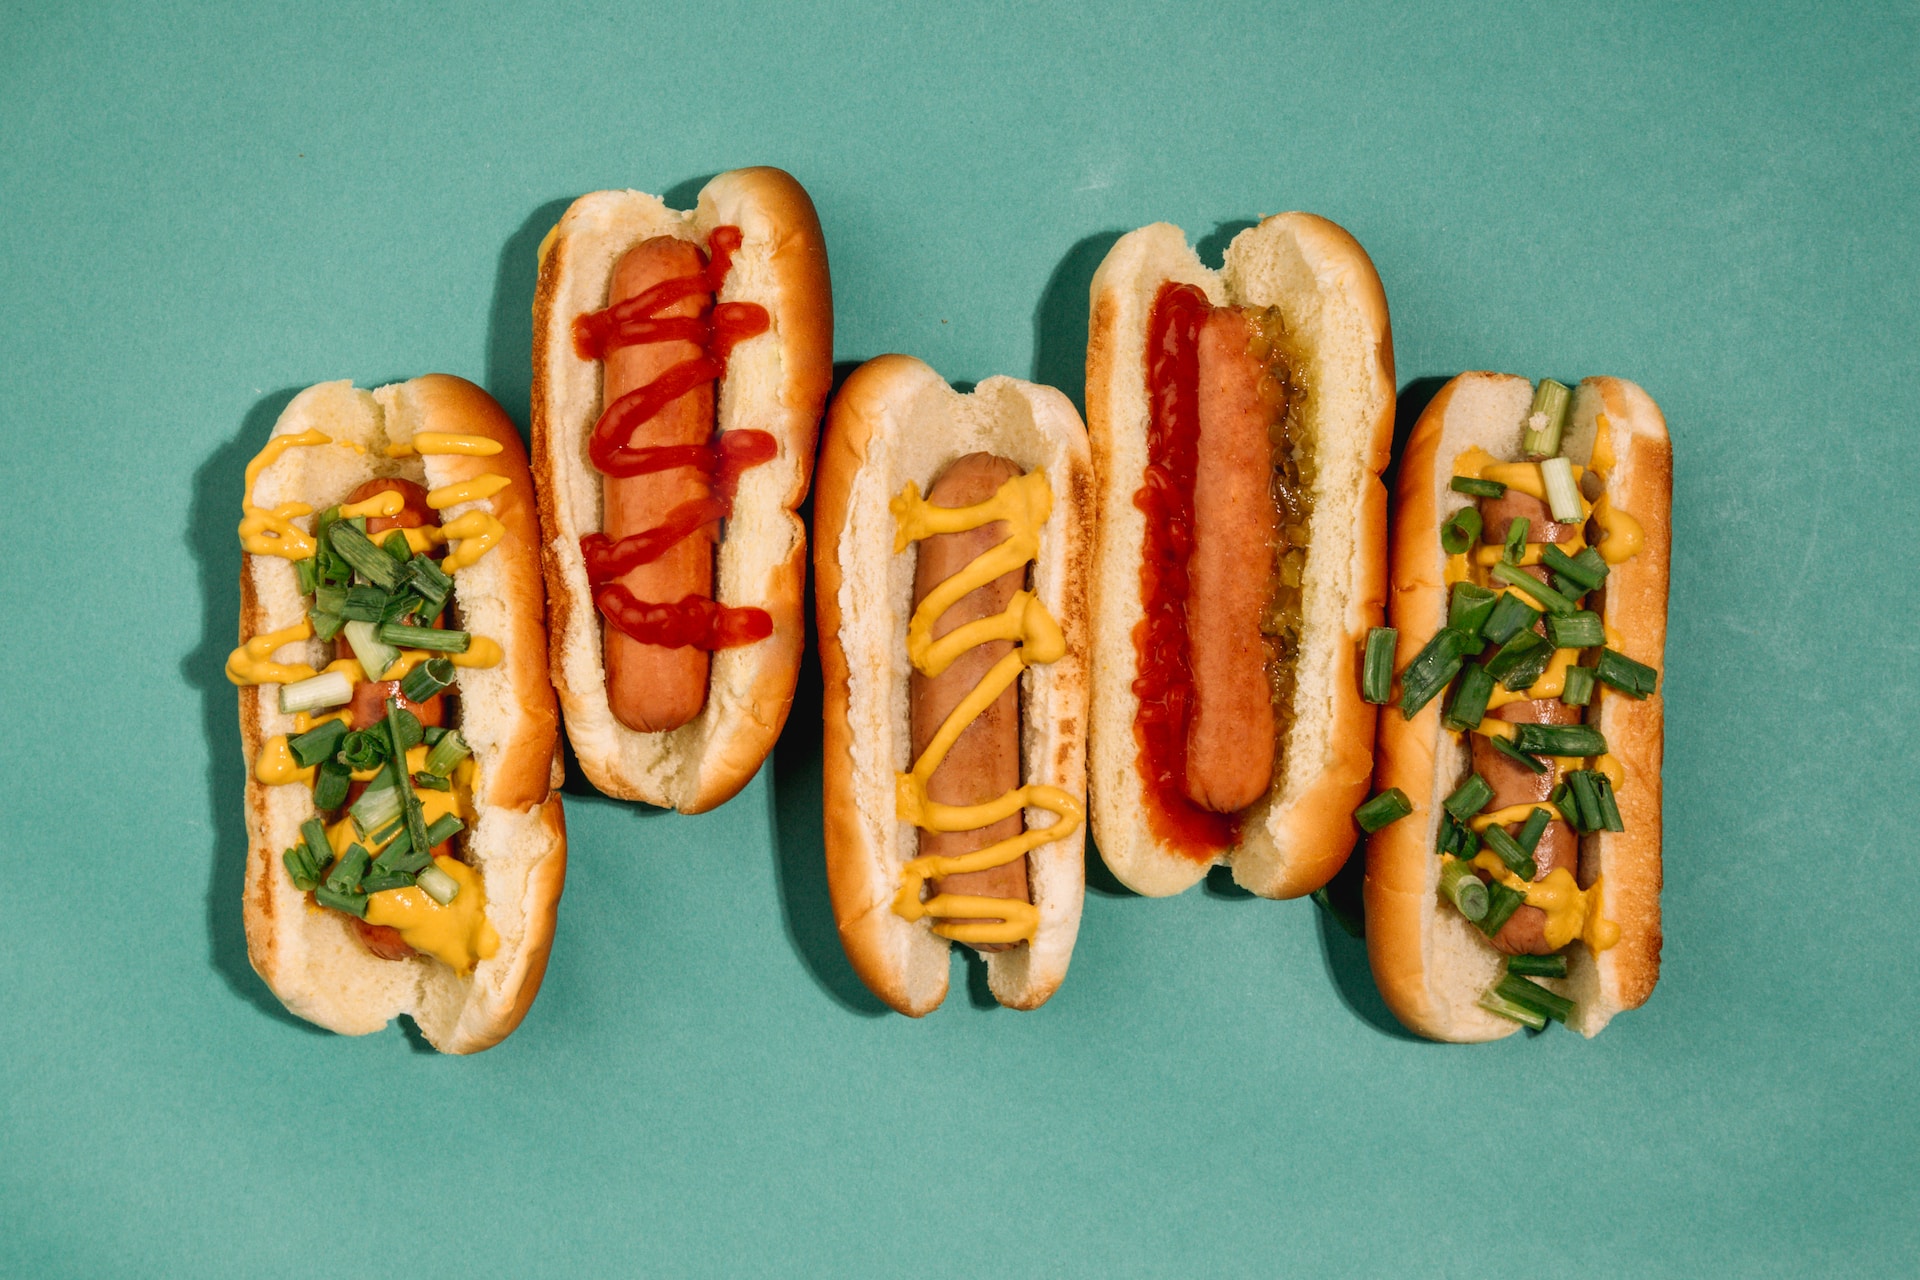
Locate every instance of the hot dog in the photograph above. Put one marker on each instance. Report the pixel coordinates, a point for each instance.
(1523, 884)
(1239, 422)
(406, 843)
(681, 361)
(951, 535)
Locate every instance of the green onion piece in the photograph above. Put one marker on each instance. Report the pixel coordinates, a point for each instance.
(332, 599)
(1547, 419)
(1583, 797)
(1528, 837)
(409, 726)
(1577, 630)
(1563, 492)
(431, 781)
(440, 886)
(306, 576)
(429, 582)
(429, 678)
(439, 641)
(318, 743)
(313, 833)
(1521, 758)
(364, 604)
(1383, 810)
(369, 561)
(1520, 661)
(395, 545)
(401, 607)
(354, 904)
(1508, 850)
(1579, 688)
(1465, 890)
(399, 858)
(1531, 995)
(300, 866)
(1559, 740)
(1592, 566)
(1474, 487)
(1511, 615)
(1516, 544)
(442, 829)
(1502, 902)
(1469, 703)
(1558, 797)
(375, 654)
(1574, 569)
(1553, 966)
(376, 808)
(330, 787)
(326, 625)
(316, 693)
(1460, 530)
(449, 751)
(346, 873)
(1376, 669)
(379, 880)
(403, 729)
(1550, 600)
(1456, 838)
(432, 734)
(1635, 679)
(1507, 1009)
(1469, 798)
(1432, 669)
(1609, 808)
(1470, 607)
(363, 749)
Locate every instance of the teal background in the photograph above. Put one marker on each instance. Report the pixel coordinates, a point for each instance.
(209, 208)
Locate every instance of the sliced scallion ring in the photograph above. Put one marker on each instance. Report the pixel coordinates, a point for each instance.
(439, 886)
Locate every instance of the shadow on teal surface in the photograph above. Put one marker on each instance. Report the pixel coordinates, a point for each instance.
(509, 375)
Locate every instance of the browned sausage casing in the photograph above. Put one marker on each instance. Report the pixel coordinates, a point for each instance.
(1235, 525)
(651, 688)
(985, 761)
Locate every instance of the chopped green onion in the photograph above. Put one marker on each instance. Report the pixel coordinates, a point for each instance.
(1516, 543)
(1456, 838)
(375, 565)
(1460, 530)
(1465, 890)
(316, 693)
(1511, 615)
(442, 829)
(449, 751)
(1531, 995)
(375, 655)
(326, 625)
(403, 728)
(1578, 630)
(1508, 850)
(1470, 607)
(1592, 566)
(363, 749)
(313, 833)
(1502, 902)
(354, 904)
(1520, 661)
(430, 583)
(364, 604)
(1383, 810)
(1528, 837)
(1579, 687)
(1474, 487)
(426, 680)
(331, 599)
(1563, 492)
(404, 605)
(1609, 808)
(1575, 569)
(318, 743)
(299, 863)
(1635, 679)
(376, 807)
(399, 858)
(379, 880)
(1432, 669)
(306, 576)
(330, 787)
(439, 886)
(1583, 801)
(432, 734)
(346, 873)
(1553, 966)
(433, 638)
(1550, 600)
(1521, 758)
(431, 781)
(1469, 703)
(1548, 417)
(409, 728)
(1469, 798)
(1376, 670)
(1494, 1003)
(395, 545)
(1559, 740)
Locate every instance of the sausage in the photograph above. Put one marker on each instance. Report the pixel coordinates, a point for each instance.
(651, 688)
(985, 761)
(1512, 783)
(1497, 514)
(1230, 746)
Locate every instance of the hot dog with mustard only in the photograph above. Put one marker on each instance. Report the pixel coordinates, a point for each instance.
(406, 845)
(680, 364)
(951, 539)
(1239, 420)
(1514, 875)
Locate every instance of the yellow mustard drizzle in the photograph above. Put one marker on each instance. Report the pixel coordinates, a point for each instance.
(1621, 535)
(252, 662)
(473, 490)
(478, 533)
(1514, 813)
(1024, 502)
(1572, 912)
(273, 533)
(458, 933)
(1551, 684)
(276, 765)
(432, 443)
(385, 503)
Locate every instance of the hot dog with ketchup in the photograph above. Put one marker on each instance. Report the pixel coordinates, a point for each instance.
(681, 361)
(1514, 877)
(1239, 421)
(951, 537)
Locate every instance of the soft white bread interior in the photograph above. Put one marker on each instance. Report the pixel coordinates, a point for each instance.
(894, 421)
(1330, 298)
(1430, 964)
(308, 955)
(776, 383)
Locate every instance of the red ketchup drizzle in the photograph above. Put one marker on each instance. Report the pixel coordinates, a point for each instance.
(1165, 683)
(694, 619)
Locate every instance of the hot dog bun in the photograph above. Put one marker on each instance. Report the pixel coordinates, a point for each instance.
(1299, 834)
(895, 421)
(777, 383)
(1430, 964)
(307, 955)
